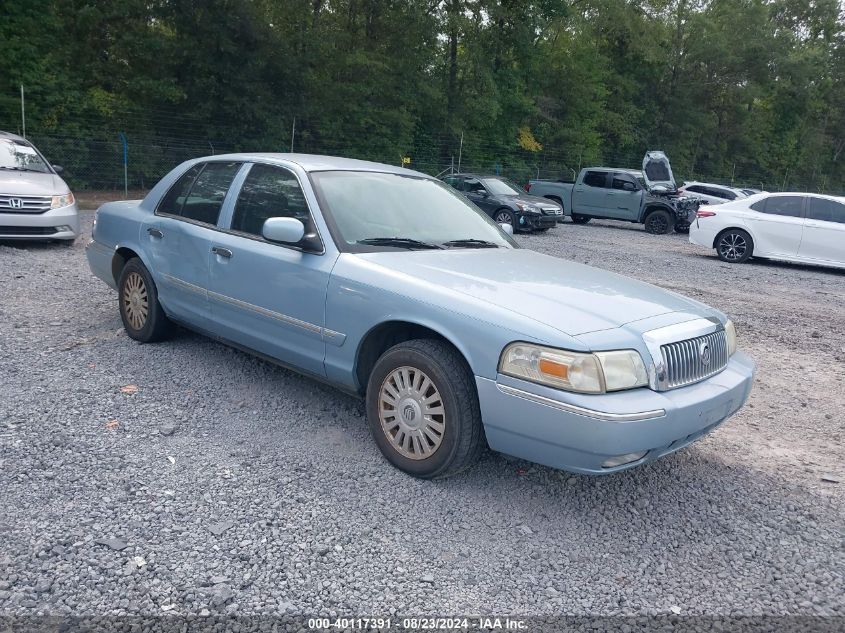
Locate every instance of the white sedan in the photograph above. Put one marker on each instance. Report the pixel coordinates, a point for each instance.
(797, 227)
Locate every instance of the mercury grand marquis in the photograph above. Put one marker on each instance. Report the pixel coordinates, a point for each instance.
(387, 284)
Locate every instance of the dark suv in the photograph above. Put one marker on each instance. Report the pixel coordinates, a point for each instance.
(506, 202)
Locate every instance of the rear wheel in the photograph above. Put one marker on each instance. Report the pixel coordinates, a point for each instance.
(659, 222)
(734, 246)
(580, 219)
(422, 407)
(143, 317)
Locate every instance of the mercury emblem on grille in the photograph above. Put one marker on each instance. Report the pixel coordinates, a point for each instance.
(704, 353)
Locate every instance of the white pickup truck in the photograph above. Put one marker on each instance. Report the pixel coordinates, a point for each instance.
(649, 197)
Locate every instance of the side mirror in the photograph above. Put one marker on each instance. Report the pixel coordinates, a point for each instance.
(285, 230)
(507, 228)
(58, 169)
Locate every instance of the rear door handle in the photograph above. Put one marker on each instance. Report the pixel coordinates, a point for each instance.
(223, 252)
(154, 232)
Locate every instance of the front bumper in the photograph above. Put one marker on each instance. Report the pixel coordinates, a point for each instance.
(579, 432)
(538, 221)
(55, 224)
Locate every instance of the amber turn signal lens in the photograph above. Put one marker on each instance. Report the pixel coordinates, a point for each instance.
(554, 369)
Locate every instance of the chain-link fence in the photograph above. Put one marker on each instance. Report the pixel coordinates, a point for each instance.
(97, 163)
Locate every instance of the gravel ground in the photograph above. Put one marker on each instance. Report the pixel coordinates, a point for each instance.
(189, 478)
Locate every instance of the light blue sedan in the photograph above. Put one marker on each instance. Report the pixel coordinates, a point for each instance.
(390, 286)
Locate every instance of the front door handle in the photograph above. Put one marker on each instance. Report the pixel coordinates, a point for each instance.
(154, 232)
(223, 252)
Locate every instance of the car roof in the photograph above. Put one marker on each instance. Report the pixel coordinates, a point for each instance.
(470, 175)
(318, 162)
(712, 184)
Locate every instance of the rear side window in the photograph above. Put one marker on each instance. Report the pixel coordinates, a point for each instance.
(790, 206)
(206, 196)
(173, 200)
(695, 189)
(269, 192)
(826, 210)
(595, 179)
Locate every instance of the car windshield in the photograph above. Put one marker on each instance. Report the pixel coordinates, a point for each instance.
(19, 156)
(502, 187)
(372, 211)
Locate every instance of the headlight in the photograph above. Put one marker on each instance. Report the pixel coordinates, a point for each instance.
(730, 336)
(528, 208)
(574, 371)
(62, 201)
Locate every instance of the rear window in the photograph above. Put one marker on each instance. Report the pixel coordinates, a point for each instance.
(595, 179)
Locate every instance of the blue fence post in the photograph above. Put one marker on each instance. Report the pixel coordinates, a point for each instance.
(122, 137)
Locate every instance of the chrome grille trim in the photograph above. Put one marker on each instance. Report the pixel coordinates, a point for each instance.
(14, 203)
(683, 359)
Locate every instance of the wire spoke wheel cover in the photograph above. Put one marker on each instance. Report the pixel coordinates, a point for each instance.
(732, 246)
(136, 302)
(412, 413)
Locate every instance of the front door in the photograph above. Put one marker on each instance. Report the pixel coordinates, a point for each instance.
(824, 231)
(178, 239)
(623, 198)
(269, 297)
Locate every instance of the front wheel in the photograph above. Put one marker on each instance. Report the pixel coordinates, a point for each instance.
(143, 317)
(505, 216)
(580, 219)
(659, 222)
(422, 407)
(734, 246)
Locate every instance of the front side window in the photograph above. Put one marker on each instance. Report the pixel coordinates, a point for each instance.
(19, 156)
(621, 183)
(366, 207)
(206, 197)
(790, 206)
(826, 210)
(595, 179)
(269, 192)
(473, 185)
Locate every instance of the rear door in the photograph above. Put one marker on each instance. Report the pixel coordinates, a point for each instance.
(824, 231)
(589, 196)
(179, 236)
(777, 224)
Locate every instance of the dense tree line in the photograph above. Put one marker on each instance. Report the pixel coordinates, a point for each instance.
(747, 89)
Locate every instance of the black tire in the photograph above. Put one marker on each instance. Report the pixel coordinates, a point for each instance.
(135, 291)
(543, 229)
(580, 219)
(734, 246)
(659, 222)
(462, 438)
(682, 227)
(505, 216)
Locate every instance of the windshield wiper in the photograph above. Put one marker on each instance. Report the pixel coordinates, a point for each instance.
(37, 171)
(400, 242)
(470, 243)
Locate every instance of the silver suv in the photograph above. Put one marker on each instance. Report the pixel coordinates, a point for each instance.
(35, 203)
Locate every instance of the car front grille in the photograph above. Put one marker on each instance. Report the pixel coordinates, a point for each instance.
(26, 230)
(13, 203)
(551, 211)
(685, 360)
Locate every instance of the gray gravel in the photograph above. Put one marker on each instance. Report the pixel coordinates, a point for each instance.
(223, 484)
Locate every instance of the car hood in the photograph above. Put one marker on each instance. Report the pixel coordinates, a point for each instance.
(658, 172)
(30, 183)
(570, 297)
(535, 200)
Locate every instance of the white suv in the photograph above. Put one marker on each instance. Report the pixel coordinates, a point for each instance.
(713, 194)
(35, 203)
